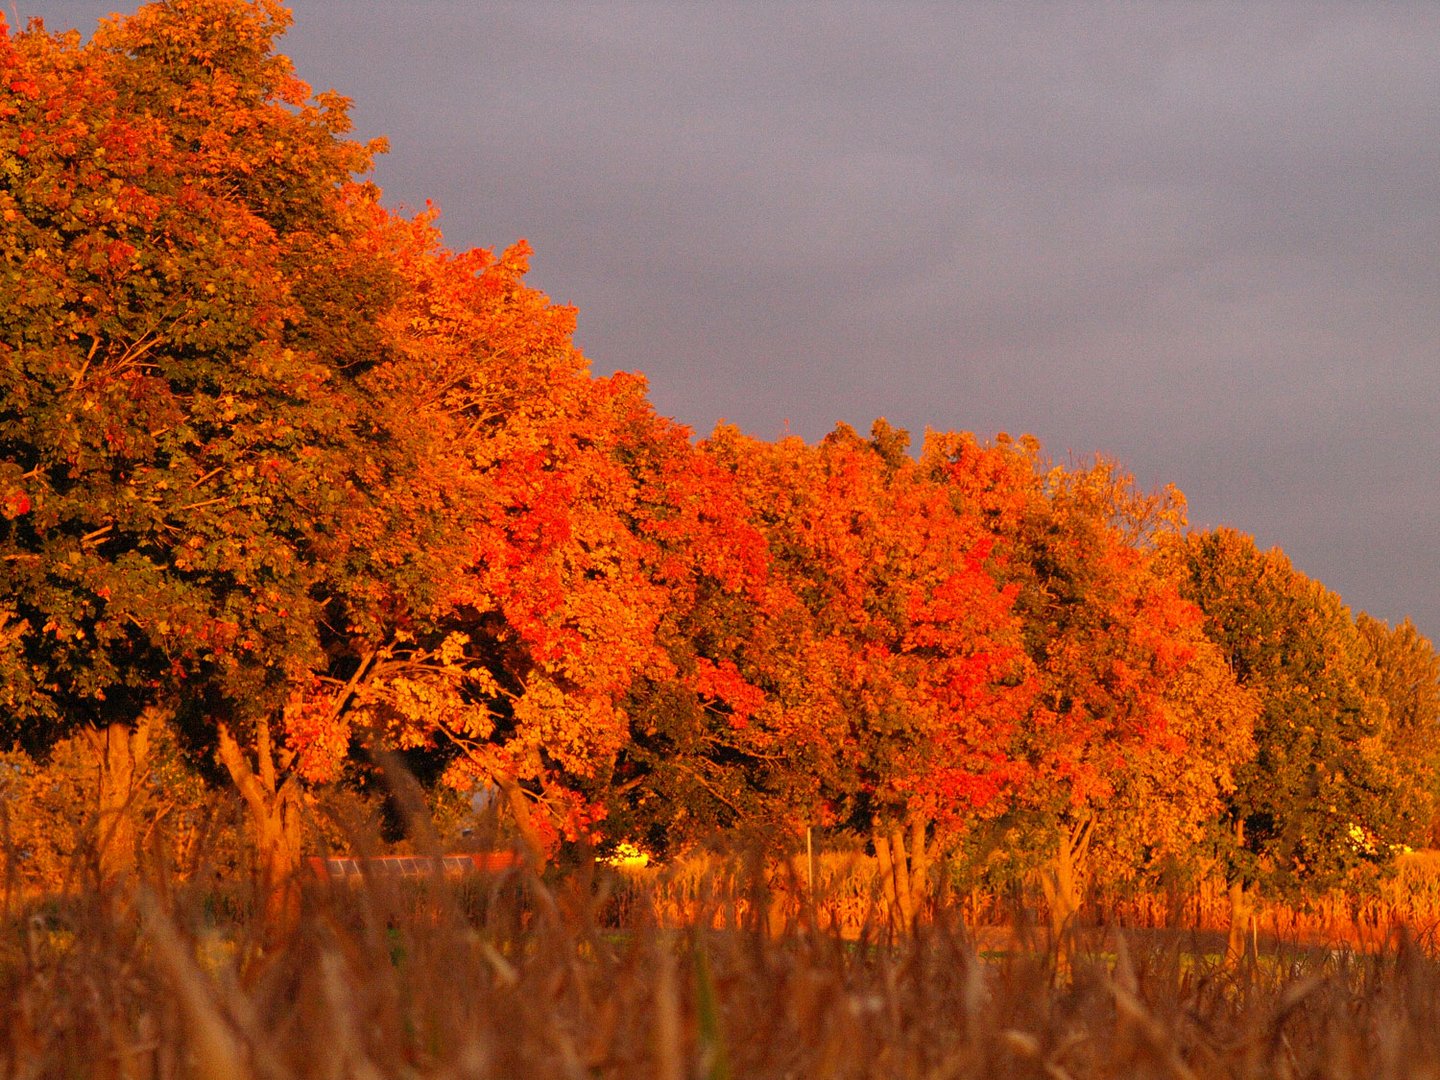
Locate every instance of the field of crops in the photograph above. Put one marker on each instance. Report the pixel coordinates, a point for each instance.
(515, 976)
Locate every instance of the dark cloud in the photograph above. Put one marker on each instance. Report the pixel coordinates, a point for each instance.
(1198, 237)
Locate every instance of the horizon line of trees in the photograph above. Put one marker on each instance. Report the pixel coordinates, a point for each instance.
(279, 467)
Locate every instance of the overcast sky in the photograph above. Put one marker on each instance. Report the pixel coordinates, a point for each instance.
(1202, 239)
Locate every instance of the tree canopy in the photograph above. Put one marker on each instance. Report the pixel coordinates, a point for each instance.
(277, 462)
(1318, 796)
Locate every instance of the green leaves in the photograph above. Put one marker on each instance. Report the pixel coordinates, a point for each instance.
(170, 446)
(1318, 772)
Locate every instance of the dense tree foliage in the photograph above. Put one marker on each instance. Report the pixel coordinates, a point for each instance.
(281, 472)
(1404, 675)
(1136, 725)
(912, 677)
(1321, 794)
(180, 312)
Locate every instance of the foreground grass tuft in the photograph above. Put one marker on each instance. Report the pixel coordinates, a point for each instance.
(512, 977)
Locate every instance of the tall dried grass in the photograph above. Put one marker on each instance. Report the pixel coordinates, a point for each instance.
(841, 892)
(515, 976)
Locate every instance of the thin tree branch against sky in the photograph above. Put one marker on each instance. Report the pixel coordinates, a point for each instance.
(1199, 238)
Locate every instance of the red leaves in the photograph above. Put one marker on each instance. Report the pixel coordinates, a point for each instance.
(319, 734)
(723, 683)
(120, 254)
(13, 504)
(912, 651)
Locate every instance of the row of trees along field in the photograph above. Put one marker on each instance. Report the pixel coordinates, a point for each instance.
(280, 469)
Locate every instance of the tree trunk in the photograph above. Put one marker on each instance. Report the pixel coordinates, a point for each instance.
(278, 850)
(904, 890)
(1242, 920)
(273, 808)
(519, 804)
(1060, 883)
(887, 876)
(1242, 909)
(121, 751)
(902, 873)
(919, 865)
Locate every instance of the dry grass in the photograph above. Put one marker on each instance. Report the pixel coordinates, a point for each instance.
(846, 896)
(514, 977)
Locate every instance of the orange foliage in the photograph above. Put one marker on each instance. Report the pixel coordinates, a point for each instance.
(1125, 678)
(909, 667)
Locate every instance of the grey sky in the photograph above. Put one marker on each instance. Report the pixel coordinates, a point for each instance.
(1199, 238)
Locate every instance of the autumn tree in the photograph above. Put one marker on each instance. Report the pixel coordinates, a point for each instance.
(709, 745)
(913, 675)
(176, 421)
(544, 536)
(1318, 798)
(1136, 726)
(279, 458)
(464, 613)
(1404, 674)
